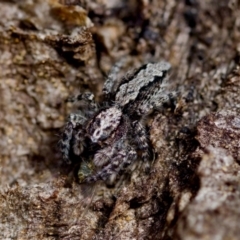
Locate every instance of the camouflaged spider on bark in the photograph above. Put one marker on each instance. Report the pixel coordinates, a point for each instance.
(107, 138)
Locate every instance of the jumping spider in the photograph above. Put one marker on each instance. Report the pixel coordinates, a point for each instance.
(113, 135)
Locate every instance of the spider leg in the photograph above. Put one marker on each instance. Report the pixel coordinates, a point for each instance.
(141, 140)
(78, 141)
(103, 156)
(119, 160)
(108, 87)
(157, 101)
(74, 121)
(87, 98)
(115, 80)
(64, 143)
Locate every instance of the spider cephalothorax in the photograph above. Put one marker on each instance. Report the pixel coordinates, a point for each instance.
(112, 137)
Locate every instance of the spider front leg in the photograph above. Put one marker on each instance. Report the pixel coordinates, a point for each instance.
(72, 133)
(87, 98)
(118, 159)
(108, 88)
(64, 143)
(78, 141)
(114, 79)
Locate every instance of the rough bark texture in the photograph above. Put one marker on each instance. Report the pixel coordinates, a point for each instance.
(50, 50)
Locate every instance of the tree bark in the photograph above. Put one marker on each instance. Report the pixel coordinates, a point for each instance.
(50, 50)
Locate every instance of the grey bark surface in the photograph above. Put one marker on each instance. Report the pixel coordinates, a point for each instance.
(50, 50)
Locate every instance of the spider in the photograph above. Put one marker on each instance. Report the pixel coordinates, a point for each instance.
(112, 135)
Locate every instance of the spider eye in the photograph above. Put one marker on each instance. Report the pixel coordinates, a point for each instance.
(97, 133)
(96, 136)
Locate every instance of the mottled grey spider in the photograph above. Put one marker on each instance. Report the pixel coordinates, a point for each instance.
(112, 136)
